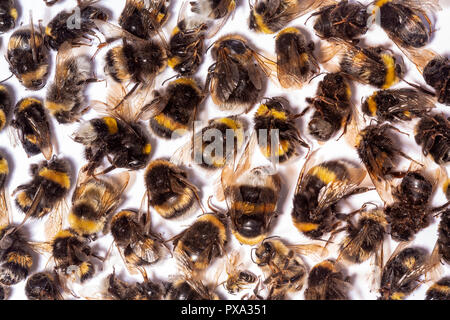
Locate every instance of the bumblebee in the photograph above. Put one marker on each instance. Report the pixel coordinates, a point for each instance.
(364, 239)
(5, 106)
(238, 76)
(65, 99)
(43, 286)
(168, 190)
(188, 288)
(4, 174)
(134, 239)
(443, 242)
(94, 201)
(8, 15)
(319, 189)
(186, 46)
(28, 57)
(402, 21)
(15, 255)
(296, 63)
(62, 28)
(343, 20)
(401, 274)
(196, 247)
(144, 18)
(375, 66)
(332, 106)
(33, 127)
(72, 255)
(395, 105)
(436, 73)
(432, 133)
(214, 9)
(378, 152)
(251, 195)
(238, 278)
(271, 16)
(284, 266)
(4, 293)
(446, 189)
(121, 290)
(178, 104)
(118, 136)
(225, 133)
(439, 290)
(45, 192)
(327, 282)
(273, 115)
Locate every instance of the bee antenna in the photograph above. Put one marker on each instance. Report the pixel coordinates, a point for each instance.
(209, 47)
(7, 78)
(175, 76)
(251, 255)
(316, 76)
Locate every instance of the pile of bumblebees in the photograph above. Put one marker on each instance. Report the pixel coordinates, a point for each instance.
(246, 198)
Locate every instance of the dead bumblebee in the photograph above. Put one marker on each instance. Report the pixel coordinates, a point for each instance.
(440, 290)
(344, 20)
(8, 15)
(133, 237)
(402, 21)
(65, 99)
(398, 104)
(238, 76)
(273, 115)
(271, 16)
(5, 106)
(45, 193)
(64, 27)
(286, 272)
(296, 63)
(196, 247)
(186, 46)
(33, 127)
(179, 104)
(401, 274)
(94, 201)
(120, 290)
(432, 133)
(373, 65)
(436, 73)
(144, 18)
(252, 196)
(117, 136)
(442, 249)
(43, 286)
(168, 190)
(365, 238)
(327, 282)
(227, 134)
(332, 106)
(319, 188)
(238, 278)
(28, 57)
(186, 287)
(4, 173)
(214, 9)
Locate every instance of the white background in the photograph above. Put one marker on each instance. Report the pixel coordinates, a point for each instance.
(283, 225)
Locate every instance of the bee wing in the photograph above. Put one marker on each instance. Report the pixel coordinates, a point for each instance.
(228, 72)
(43, 136)
(289, 67)
(314, 251)
(310, 162)
(82, 179)
(5, 209)
(155, 107)
(413, 101)
(421, 5)
(110, 200)
(54, 222)
(112, 32)
(146, 249)
(41, 247)
(198, 286)
(227, 6)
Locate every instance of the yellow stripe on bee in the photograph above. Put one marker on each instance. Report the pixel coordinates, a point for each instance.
(262, 27)
(232, 5)
(48, 31)
(217, 223)
(169, 123)
(147, 148)
(31, 138)
(283, 147)
(372, 104)
(4, 169)
(58, 177)
(111, 123)
(410, 263)
(306, 226)
(236, 126)
(173, 61)
(22, 260)
(29, 77)
(327, 264)
(381, 3)
(397, 296)
(325, 175)
(160, 17)
(188, 82)
(64, 234)
(13, 13)
(389, 63)
(83, 226)
(2, 119)
(407, 113)
(264, 110)
(249, 241)
(3, 88)
(85, 268)
(445, 186)
(250, 208)
(27, 103)
(24, 200)
(288, 30)
(440, 288)
(56, 107)
(175, 30)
